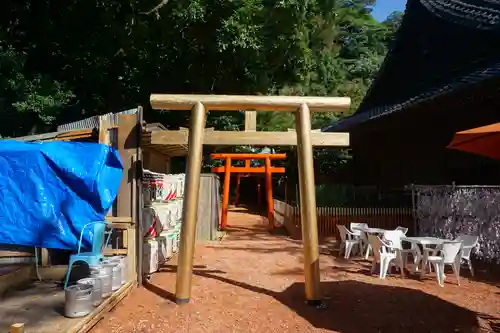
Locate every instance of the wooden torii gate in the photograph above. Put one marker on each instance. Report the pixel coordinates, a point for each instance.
(303, 138)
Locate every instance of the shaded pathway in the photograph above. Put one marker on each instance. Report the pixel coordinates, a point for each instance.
(252, 282)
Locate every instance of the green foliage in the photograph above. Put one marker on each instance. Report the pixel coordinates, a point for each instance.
(27, 101)
(61, 61)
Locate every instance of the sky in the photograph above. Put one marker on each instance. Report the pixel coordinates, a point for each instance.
(385, 7)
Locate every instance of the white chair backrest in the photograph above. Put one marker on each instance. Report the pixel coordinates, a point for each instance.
(343, 232)
(355, 225)
(450, 250)
(402, 229)
(393, 237)
(469, 242)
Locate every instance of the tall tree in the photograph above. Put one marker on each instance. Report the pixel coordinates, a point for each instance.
(64, 60)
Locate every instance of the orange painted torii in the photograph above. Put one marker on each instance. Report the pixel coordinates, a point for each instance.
(303, 138)
(227, 169)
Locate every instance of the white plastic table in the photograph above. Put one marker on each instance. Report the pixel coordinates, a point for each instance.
(371, 231)
(426, 242)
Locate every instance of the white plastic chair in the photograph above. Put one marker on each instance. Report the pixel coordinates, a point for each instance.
(349, 240)
(356, 228)
(402, 229)
(393, 238)
(450, 253)
(383, 254)
(469, 243)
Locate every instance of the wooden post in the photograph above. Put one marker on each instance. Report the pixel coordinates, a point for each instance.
(17, 328)
(308, 207)
(190, 211)
(238, 180)
(128, 141)
(225, 193)
(137, 198)
(250, 121)
(269, 193)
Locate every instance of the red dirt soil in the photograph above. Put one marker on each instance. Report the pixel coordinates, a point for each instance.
(252, 282)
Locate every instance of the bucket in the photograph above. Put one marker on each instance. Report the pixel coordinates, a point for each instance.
(122, 261)
(102, 273)
(116, 280)
(171, 244)
(96, 284)
(150, 256)
(162, 249)
(78, 300)
(175, 242)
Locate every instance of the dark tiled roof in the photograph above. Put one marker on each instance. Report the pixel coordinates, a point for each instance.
(442, 46)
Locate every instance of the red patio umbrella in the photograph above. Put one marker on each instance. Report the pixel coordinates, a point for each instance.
(483, 141)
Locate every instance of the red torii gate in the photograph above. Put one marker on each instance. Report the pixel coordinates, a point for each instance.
(227, 169)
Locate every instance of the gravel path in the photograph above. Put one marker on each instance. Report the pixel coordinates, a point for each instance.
(252, 282)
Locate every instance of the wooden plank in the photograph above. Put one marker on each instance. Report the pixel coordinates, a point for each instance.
(119, 219)
(15, 254)
(207, 129)
(221, 138)
(125, 237)
(111, 252)
(222, 169)
(128, 141)
(312, 131)
(99, 312)
(104, 124)
(136, 232)
(45, 257)
(256, 103)
(81, 132)
(126, 149)
(250, 121)
(71, 138)
(120, 225)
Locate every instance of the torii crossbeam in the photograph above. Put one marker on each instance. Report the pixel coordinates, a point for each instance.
(303, 138)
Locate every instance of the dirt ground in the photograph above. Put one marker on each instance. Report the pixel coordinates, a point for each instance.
(252, 282)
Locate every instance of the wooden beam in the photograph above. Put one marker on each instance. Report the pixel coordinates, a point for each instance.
(121, 226)
(256, 103)
(104, 125)
(128, 141)
(112, 252)
(76, 133)
(45, 257)
(250, 121)
(312, 131)
(207, 129)
(228, 138)
(245, 156)
(119, 219)
(248, 170)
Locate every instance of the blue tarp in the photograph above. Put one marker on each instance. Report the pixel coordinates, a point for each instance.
(50, 190)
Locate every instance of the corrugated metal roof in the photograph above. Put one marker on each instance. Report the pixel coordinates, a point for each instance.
(93, 122)
(88, 123)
